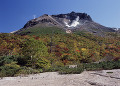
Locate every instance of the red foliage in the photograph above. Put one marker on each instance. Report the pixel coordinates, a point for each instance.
(68, 54)
(65, 61)
(66, 49)
(58, 54)
(116, 59)
(92, 55)
(57, 46)
(34, 36)
(78, 50)
(37, 38)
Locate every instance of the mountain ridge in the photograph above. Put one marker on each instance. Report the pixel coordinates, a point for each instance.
(71, 21)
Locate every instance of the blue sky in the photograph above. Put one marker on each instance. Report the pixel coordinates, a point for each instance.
(15, 13)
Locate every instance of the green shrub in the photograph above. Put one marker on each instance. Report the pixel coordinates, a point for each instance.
(7, 60)
(92, 66)
(67, 70)
(108, 65)
(53, 69)
(27, 70)
(9, 69)
(22, 60)
(58, 64)
(117, 65)
(102, 65)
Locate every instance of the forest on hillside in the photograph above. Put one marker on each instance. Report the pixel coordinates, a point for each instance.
(33, 54)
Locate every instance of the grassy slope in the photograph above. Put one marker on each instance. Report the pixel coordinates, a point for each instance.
(41, 30)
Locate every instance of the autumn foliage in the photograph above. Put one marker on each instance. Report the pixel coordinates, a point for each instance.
(34, 51)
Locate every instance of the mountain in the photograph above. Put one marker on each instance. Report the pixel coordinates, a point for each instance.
(73, 22)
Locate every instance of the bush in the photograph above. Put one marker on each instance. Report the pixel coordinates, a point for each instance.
(92, 66)
(108, 65)
(22, 60)
(7, 60)
(86, 66)
(67, 70)
(27, 70)
(117, 65)
(53, 69)
(102, 65)
(9, 69)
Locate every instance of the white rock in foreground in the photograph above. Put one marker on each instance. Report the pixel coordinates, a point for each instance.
(87, 78)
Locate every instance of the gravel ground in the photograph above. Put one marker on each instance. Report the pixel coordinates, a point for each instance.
(87, 78)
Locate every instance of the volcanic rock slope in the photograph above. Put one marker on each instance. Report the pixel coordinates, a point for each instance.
(71, 21)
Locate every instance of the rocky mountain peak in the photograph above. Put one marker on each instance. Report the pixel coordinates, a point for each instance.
(73, 15)
(72, 19)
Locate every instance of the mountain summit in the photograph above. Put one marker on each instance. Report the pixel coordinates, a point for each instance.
(65, 20)
(71, 21)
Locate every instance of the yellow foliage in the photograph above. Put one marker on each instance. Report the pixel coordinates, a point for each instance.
(83, 49)
(97, 53)
(13, 64)
(62, 45)
(75, 45)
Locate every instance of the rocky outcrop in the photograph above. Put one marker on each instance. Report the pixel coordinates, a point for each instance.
(40, 20)
(72, 16)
